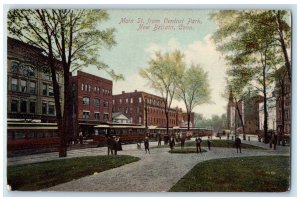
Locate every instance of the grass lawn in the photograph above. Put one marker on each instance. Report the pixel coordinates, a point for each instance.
(245, 174)
(218, 143)
(31, 177)
(185, 151)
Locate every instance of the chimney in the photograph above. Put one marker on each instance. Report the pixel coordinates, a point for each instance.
(123, 92)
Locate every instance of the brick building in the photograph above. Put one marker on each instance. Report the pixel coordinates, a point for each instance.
(145, 109)
(251, 114)
(283, 108)
(29, 86)
(92, 102)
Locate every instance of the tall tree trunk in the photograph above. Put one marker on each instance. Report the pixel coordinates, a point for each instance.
(283, 45)
(282, 104)
(188, 118)
(241, 118)
(265, 105)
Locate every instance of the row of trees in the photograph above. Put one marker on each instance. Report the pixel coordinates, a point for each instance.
(69, 40)
(215, 122)
(169, 75)
(256, 45)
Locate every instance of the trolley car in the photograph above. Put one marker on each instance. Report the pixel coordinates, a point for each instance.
(31, 137)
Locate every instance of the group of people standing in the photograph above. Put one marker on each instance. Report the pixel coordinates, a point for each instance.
(113, 145)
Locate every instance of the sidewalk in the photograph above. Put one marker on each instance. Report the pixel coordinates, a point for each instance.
(155, 172)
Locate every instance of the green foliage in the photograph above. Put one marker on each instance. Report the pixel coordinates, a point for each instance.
(186, 151)
(193, 87)
(71, 35)
(162, 73)
(37, 176)
(243, 174)
(216, 122)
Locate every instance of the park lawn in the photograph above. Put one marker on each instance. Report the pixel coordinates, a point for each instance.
(36, 176)
(185, 151)
(244, 174)
(219, 143)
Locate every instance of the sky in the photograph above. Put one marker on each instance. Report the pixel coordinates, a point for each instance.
(135, 46)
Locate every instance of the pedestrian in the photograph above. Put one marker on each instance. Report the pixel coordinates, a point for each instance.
(80, 137)
(109, 143)
(159, 140)
(115, 145)
(198, 144)
(274, 140)
(119, 144)
(238, 143)
(208, 143)
(146, 144)
(172, 143)
(182, 141)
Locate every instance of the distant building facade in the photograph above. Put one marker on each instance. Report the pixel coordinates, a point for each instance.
(92, 102)
(30, 93)
(145, 109)
(230, 113)
(283, 105)
(184, 122)
(120, 118)
(251, 114)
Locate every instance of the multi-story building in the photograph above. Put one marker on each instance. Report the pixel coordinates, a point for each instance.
(29, 85)
(145, 109)
(251, 114)
(230, 113)
(283, 104)
(92, 102)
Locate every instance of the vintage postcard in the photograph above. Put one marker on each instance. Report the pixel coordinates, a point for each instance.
(146, 100)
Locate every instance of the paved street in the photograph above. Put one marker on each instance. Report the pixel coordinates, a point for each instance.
(155, 172)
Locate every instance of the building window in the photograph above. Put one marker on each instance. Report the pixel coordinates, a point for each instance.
(89, 88)
(105, 117)
(97, 115)
(140, 99)
(51, 109)
(14, 106)
(44, 107)
(86, 115)
(23, 106)
(86, 87)
(14, 67)
(96, 102)
(120, 100)
(51, 91)
(45, 89)
(46, 76)
(28, 71)
(126, 100)
(32, 107)
(95, 89)
(23, 86)
(82, 87)
(32, 87)
(14, 84)
(86, 100)
(98, 90)
(131, 100)
(105, 104)
(140, 119)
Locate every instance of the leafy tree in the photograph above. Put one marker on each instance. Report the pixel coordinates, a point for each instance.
(193, 89)
(70, 40)
(162, 72)
(250, 41)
